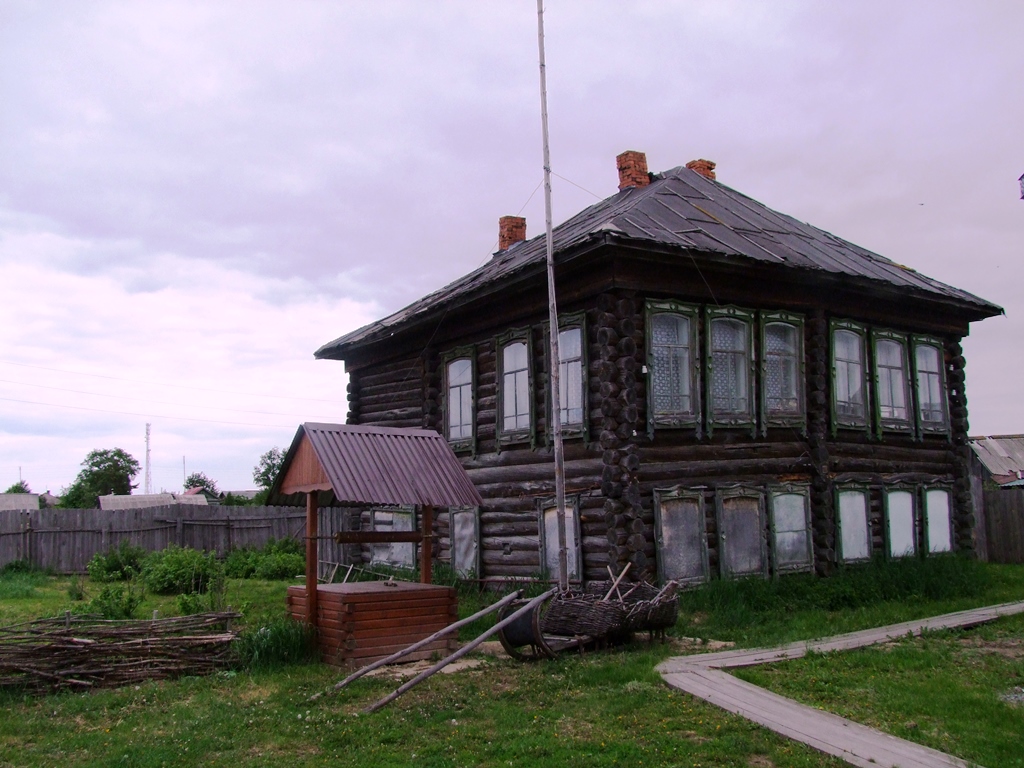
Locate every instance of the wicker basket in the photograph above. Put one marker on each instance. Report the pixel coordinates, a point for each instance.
(647, 608)
(573, 614)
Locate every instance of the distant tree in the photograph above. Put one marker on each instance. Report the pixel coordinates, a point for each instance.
(200, 480)
(19, 487)
(265, 472)
(103, 472)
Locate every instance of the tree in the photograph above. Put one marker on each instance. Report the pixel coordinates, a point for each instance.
(19, 487)
(103, 472)
(200, 480)
(265, 472)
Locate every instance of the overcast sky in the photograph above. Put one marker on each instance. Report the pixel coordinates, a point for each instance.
(194, 196)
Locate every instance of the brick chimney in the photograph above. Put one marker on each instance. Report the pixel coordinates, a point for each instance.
(511, 230)
(632, 169)
(703, 167)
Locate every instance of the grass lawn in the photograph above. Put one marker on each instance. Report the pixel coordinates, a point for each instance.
(603, 709)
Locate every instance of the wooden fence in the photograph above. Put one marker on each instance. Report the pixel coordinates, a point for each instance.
(1004, 525)
(64, 540)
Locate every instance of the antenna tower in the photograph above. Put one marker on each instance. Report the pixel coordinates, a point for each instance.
(149, 473)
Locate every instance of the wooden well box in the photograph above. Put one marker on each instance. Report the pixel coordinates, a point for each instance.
(362, 622)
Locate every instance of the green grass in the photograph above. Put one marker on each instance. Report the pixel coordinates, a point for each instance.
(941, 690)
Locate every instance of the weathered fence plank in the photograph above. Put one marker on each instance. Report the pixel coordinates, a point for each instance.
(65, 540)
(1004, 524)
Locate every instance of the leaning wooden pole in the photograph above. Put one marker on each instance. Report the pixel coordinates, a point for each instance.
(461, 652)
(426, 641)
(312, 557)
(553, 375)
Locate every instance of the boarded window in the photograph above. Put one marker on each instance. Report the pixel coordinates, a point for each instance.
(741, 540)
(791, 533)
(465, 541)
(854, 534)
(938, 520)
(899, 523)
(394, 520)
(681, 537)
(549, 531)
(460, 399)
(570, 376)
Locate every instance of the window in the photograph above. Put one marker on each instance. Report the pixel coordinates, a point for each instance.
(570, 376)
(515, 415)
(672, 389)
(549, 538)
(459, 402)
(931, 401)
(730, 362)
(892, 399)
(938, 520)
(782, 370)
(854, 532)
(681, 536)
(464, 538)
(789, 509)
(741, 533)
(900, 529)
(848, 390)
(393, 520)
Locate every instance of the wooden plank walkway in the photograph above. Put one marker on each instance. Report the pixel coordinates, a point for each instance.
(857, 744)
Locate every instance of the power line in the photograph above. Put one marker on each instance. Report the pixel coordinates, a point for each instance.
(164, 384)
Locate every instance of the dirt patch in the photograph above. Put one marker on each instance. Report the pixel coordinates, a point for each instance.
(698, 645)
(491, 648)
(1010, 648)
(1014, 697)
(760, 761)
(402, 671)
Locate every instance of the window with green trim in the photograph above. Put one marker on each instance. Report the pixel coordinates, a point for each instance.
(789, 512)
(782, 369)
(458, 375)
(730, 365)
(681, 535)
(673, 393)
(849, 380)
(515, 387)
(938, 520)
(854, 534)
(742, 548)
(900, 522)
(932, 414)
(892, 395)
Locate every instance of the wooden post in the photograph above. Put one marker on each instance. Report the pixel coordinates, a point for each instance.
(427, 544)
(312, 561)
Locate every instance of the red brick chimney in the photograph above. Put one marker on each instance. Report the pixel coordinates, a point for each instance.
(632, 169)
(703, 167)
(511, 230)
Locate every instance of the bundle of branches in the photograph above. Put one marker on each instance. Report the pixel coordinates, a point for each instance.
(84, 652)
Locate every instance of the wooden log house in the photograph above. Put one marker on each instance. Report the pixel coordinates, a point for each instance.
(742, 393)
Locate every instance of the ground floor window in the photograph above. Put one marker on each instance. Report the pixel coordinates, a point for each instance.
(790, 520)
(393, 520)
(938, 520)
(549, 539)
(742, 549)
(464, 531)
(681, 536)
(854, 531)
(900, 523)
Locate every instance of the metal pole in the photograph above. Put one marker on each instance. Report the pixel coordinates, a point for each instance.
(556, 405)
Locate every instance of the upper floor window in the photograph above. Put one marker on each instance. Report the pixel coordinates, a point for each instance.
(931, 402)
(459, 375)
(730, 363)
(848, 390)
(782, 369)
(891, 381)
(570, 376)
(671, 358)
(514, 390)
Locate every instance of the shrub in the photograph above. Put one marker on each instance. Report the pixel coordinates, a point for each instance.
(118, 601)
(120, 563)
(275, 642)
(279, 559)
(280, 565)
(76, 589)
(18, 566)
(178, 570)
(241, 563)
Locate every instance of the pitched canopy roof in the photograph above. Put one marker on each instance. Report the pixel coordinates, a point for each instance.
(1002, 455)
(375, 465)
(681, 209)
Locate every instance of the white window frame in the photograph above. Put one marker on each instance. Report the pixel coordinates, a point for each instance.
(518, 434)
(886, 388)
(851, 522)
(848, 420)
(894, 517)
(923, 426)
(802, 491)
(461, 442)
(931, 525)
(547, 521)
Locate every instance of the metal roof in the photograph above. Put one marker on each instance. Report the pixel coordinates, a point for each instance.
(18, 501)
(385, 465)
(684, 209)
(1002, 455)
(146, 500)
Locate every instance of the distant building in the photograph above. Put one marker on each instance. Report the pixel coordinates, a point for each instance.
(1001, 458)
(144, 500)
(10, 501)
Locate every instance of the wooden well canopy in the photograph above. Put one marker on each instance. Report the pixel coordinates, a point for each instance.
(369, 466)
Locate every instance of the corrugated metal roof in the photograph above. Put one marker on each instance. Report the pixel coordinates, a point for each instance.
(682, 208)
(1000, 454)
(386, 465)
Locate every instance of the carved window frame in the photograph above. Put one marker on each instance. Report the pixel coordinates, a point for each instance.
(926, 544)
(572, 509)
(840, 421)
(796, 489)
(779, 419)
(730, 419)
(865, 492)
(915, 517)
(890, 424)
(741, 492)
(677, 419)
(929, 428)
(459, 353)
(566, 323)
(522, 434)
(696, 495)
